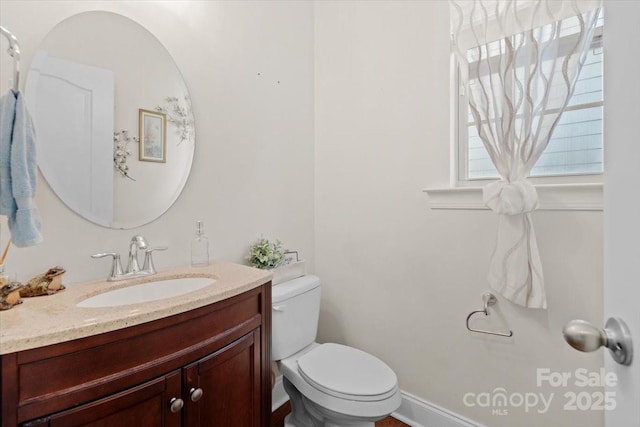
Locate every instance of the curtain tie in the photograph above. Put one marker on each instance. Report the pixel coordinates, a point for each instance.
(510, 198)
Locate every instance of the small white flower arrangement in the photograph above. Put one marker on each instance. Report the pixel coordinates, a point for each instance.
(266, 255)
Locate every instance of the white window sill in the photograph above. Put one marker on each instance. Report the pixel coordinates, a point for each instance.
(554, 197)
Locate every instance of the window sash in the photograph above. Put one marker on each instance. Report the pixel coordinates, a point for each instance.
(465, 122)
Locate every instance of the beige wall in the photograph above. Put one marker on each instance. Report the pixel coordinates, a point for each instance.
(398, 278)
(249, 69)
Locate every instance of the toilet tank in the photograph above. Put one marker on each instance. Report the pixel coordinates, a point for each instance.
(294, 321)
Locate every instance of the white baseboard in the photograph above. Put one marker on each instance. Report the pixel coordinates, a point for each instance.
(420, 413)
(278, 396)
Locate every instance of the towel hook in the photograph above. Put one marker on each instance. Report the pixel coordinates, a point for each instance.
(489, 299)
(14, 51)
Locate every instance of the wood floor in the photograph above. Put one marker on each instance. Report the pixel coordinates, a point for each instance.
(391, 422)
(277, 418)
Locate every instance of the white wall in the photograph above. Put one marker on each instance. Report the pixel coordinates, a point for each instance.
(249, 69)
(398, 278)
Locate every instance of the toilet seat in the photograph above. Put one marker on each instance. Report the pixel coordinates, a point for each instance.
(376, 408)
(347, 373)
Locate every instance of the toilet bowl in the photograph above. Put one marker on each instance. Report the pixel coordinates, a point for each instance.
(328, 384)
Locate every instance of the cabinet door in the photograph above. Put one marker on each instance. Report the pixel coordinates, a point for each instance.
(223, 389)
(146, 405)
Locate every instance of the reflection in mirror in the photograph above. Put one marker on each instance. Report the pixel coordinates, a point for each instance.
(87, 84)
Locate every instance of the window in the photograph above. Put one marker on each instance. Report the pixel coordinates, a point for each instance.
(576, 146)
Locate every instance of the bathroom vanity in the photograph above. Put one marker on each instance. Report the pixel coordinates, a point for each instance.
(199, 359)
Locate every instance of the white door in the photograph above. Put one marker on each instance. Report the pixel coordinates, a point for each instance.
(75, 159)
(622, 197)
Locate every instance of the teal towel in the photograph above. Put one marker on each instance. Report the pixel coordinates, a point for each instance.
(18, 171)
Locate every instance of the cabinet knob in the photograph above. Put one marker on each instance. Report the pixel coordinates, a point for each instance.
(196, 394)
(176, 404)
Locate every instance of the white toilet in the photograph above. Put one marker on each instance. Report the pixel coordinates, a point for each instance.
(328, 384)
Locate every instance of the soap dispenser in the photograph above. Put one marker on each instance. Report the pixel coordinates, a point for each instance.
(200, 247)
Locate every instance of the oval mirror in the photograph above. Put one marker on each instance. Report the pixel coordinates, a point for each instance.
(114, 125)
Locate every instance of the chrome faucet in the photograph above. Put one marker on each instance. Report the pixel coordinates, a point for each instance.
(137, 242)
(133, 267)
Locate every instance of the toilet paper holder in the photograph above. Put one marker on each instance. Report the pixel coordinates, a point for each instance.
(489, 299)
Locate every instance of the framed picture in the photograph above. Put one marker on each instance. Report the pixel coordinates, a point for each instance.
(152, 127)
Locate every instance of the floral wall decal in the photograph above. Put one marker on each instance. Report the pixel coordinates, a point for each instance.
(121, 151)
(179, 115)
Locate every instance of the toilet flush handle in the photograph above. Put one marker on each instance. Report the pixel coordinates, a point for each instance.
(279, 307)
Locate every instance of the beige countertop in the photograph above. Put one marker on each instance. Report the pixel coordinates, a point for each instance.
(55, 318)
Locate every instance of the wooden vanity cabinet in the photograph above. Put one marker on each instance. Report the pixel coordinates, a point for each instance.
(232, 396)
(215, 359)
(141, 406)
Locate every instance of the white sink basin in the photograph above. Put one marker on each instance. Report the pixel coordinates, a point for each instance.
(149, 291)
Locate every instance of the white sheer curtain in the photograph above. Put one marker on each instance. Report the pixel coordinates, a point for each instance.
(519, 61)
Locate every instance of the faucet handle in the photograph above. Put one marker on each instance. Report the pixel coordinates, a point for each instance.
(148, 266)
(116, 266)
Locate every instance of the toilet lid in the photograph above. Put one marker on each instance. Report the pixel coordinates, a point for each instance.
(347, 373)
